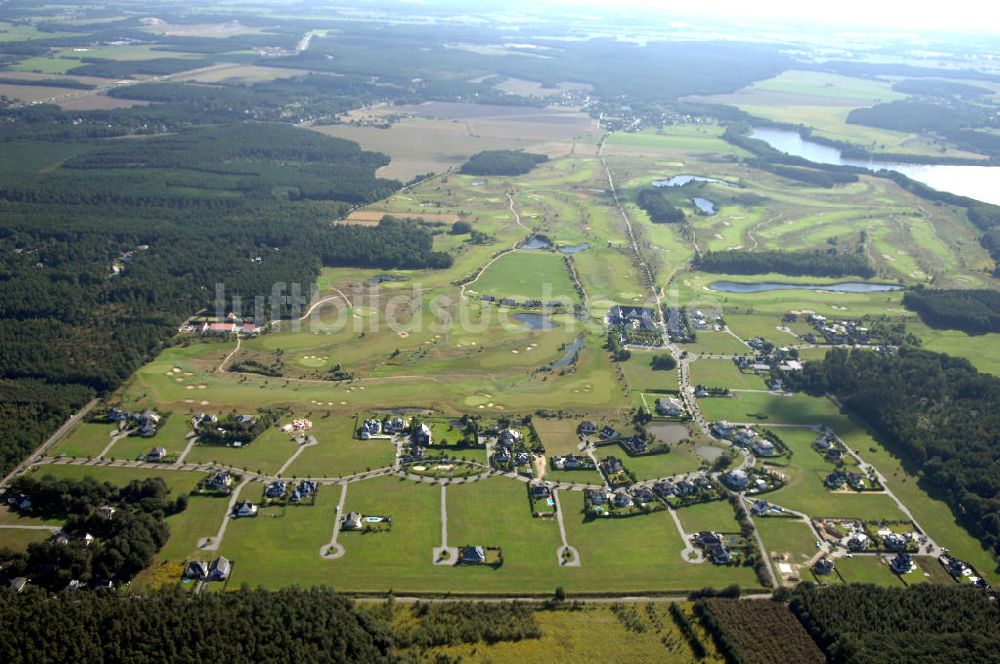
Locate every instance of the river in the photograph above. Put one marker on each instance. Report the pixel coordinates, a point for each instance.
(979, 182)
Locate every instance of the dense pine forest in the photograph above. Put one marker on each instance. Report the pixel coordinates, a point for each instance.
(657, 205)
(938, 413)
(972, 311)
(793, 263)
(864, 624)
(502, 162)
(106, 246)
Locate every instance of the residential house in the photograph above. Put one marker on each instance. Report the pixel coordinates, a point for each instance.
(568, 462)
(156, 455)
(700, 391)
(394, 425)
(370, 428)
(307, 488)
(669, 407)
(509, 437)
(707, 538)
(685, 488)
(722, 429)
(835, 481)
(473, 555)
(245, 420)
(760, 507)
(823, 443)
(823, 567)
(148, 422)
(736, 479)
(502, 455)
(219, 481)
(834, 455)
(540, 491)
(106, 511)
(612, 465)
(894, 541)
(608, 433)
(857, 481)
(720, 555)
(702, 482)
(746, 437)
(858, 541)
(763, 447)
(118, 415)
(352, 521)
(643, 495)
(522, 459)
(200, 419)
(17, 584)
(244, 509)
(276, 489)
(633, 445)
(902, 563)
(219, 569)
(597, 496)
(622, 498)
(665, 488)
(20, 501)
(422, 435)
(196, 569)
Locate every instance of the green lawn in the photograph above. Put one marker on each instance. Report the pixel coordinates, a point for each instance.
(18, 539)
(716, 343)
(202, 518)
(717, 515)
(342, 456)
(724, 373)
(805, 492)
(170, 436)
(640, 374)
(765, 408)
(558, 436)
(787, 536)
(179, 482)
(680, 459)
(86, 440)
(265, 454)
(527, 274)
(866, 569)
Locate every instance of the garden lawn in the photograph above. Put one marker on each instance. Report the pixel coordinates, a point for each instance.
(179, 482)
(558, 436)
(266, 454)
(716, 343)
(341, 457)
(717, 515)
(86, 440)
(18, 539)
(866, 569)
(724, 373)
(787, 536)
(641, 376)
(680, 459)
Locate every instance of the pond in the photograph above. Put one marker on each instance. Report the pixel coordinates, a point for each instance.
(670, 433)
(536, 321)
(760, 287)
(979, 182)
(571, 352)
(536, 242)
(681, 180)
(574, 249)
(379, 278)
(704, 205)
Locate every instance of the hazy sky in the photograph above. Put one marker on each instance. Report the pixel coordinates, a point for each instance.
(977, 15)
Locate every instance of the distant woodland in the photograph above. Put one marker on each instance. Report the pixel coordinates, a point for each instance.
(793, 263)
(972, 311)
(657, 205)
(501, 162)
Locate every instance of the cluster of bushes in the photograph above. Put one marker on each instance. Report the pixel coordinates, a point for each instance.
(657, 205)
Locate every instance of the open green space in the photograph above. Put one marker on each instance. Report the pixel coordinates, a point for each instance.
(724, 373)
(788, 537)
(18, 539)
(680, 459)
(266, 454)
(87, 439)
(179, 482)
(866, 569)
(640, 375)
(527, 274)
(717, 515)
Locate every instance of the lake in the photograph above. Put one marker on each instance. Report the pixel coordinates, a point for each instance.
(571, 351)
(574, 249)
(979, 182)
(536, 242)
(704, 205)
(759, 287)
(681, 180)
(536, 321)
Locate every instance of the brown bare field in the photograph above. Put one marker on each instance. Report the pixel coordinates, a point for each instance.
(39, 76)
(369, 217)
(244, 74)
(95, 102)
(31, 92)
(438, 136)
(160, 27)
(519, 86)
